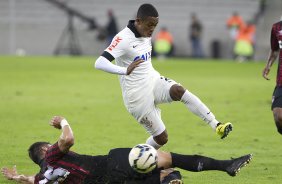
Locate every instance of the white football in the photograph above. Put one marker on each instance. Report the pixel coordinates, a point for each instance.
(143, 158)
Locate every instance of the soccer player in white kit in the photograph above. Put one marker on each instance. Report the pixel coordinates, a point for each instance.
(143, 88)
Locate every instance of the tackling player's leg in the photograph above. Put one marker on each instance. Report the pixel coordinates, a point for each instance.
(237, 164)
(195, 105)
(198, 163)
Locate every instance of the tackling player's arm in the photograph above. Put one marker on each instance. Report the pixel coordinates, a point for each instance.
(66, 139)
(12, 174)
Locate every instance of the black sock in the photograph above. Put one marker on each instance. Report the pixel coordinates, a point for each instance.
(197, 163)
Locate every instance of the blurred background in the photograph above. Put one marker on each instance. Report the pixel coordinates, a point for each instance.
(79, 27)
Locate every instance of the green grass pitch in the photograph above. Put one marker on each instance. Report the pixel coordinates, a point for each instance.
(33, 89)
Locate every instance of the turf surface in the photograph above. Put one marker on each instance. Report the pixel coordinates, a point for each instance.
(33, 89)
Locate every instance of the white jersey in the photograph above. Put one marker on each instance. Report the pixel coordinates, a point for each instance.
(126, 47)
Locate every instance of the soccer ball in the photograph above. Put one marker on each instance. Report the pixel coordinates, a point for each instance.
(143, 158)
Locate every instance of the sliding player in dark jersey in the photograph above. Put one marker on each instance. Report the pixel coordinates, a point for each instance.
(276, 46)
(60, 165)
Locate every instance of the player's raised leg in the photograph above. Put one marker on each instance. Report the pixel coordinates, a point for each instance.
(195, 105)
(154, 125)
(158, 140)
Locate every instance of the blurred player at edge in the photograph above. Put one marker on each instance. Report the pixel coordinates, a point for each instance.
(143, 88)
(275, 50)
(60, 165)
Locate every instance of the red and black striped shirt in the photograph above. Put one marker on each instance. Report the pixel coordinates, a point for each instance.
(276, 44)
(69, 168)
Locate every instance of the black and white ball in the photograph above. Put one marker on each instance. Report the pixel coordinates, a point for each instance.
(143, 158)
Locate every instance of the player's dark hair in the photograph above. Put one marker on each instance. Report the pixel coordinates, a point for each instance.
(147, 10)
(35, 151)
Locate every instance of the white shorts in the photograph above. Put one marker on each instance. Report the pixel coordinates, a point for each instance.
(146, 112)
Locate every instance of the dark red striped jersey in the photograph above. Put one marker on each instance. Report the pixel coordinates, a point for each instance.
(69, 168)
(276, 45)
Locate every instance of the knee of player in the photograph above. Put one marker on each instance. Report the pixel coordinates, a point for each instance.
(176, 92)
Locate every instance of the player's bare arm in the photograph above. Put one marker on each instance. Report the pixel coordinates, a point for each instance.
(12, 174)
(66, 139)
(271, 59)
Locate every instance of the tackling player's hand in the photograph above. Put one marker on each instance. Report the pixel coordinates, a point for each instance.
(9, 173)
(56, 121)
(265, 73)
(133, 65)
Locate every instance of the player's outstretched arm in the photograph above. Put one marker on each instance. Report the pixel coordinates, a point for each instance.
(66, 139)
(12, 174)
(271, 58)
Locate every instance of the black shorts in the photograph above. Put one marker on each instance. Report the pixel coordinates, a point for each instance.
(277, 98)
(114, 168)
(120, 172)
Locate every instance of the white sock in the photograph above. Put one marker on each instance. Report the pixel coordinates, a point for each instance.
(196, 106)
(153, 143)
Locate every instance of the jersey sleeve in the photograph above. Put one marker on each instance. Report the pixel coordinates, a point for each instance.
(118, 47)
(273, 39)
(53, 154)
